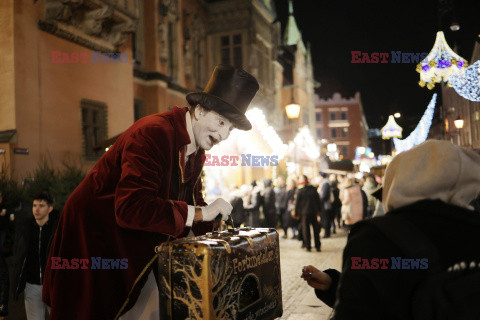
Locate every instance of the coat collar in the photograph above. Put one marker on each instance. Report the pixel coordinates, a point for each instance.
(192, 146)
(183, 139)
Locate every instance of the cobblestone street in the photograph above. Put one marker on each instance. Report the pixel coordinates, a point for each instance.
(299, 300)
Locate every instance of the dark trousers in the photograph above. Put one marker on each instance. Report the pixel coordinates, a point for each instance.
(253, 218)
(308, 221)
(329, 219)
(337, 215)
(270, 220)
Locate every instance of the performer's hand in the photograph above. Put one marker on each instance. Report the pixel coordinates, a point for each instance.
(315, 278)
(218, 206)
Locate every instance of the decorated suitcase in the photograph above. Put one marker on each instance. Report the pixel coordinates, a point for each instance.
(234, 274)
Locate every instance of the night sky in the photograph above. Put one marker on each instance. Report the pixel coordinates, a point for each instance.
(335, 28)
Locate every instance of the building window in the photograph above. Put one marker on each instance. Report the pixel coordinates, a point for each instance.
(333, 116)
(344, 132)
(318, 116)
(333, 132)
(344, 151)
(138, 109)
(343, 116)
(94, 127)
(231, 50)
(319, 133)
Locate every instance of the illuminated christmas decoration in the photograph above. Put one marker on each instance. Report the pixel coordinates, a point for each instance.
(391, 129)
(420, 133)
(440, 64)
(468, 84)
(305, 144)
(258, 120)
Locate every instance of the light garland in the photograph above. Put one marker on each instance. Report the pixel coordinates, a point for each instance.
(440, 64)
(420, 133)
(468, 84)
(305, 141)
(258, 120)
(391, 129)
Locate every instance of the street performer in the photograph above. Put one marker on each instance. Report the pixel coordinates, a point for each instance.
(145, 190)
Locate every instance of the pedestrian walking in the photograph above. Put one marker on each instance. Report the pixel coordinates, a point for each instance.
(369, 187)
(308, 208)
(269, 209)
(289, 219)
(325, 193)
(255, 205)
(336, 204)
(281, 204)
(352, 203)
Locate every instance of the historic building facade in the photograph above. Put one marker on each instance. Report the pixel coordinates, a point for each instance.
(298, 82)
(342, 121)
(65, 85)
(76, 74)
(454, 107)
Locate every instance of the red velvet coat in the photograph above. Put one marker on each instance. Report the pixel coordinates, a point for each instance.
(134, 198)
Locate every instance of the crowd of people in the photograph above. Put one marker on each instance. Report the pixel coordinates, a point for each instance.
(306, 205)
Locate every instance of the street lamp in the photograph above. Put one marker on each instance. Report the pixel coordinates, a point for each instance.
(458, 123)
(397, 115)
(293, 112)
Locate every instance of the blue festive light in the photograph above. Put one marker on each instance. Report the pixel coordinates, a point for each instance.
(468, 85)
(420, 133)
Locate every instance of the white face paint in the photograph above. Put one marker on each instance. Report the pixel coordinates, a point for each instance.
(209, 128)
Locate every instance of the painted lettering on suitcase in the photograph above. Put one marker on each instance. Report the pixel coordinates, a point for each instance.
(221, 276)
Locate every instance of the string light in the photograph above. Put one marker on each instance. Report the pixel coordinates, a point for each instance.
(306, 143)
(468, 84)
(258, 120)
(420, 133)
(440, 64)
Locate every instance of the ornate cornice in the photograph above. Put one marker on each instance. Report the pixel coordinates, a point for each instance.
(97, 24)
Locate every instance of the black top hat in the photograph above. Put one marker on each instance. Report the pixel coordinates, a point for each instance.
(229, 93)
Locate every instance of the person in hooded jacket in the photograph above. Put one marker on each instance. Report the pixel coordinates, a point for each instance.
(430, 188)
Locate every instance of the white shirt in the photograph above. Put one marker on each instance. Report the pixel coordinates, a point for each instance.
(192, 146)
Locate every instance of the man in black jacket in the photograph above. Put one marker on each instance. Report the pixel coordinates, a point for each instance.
(308, 207)
(269, 210)
(33, 238)
(427, 191)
